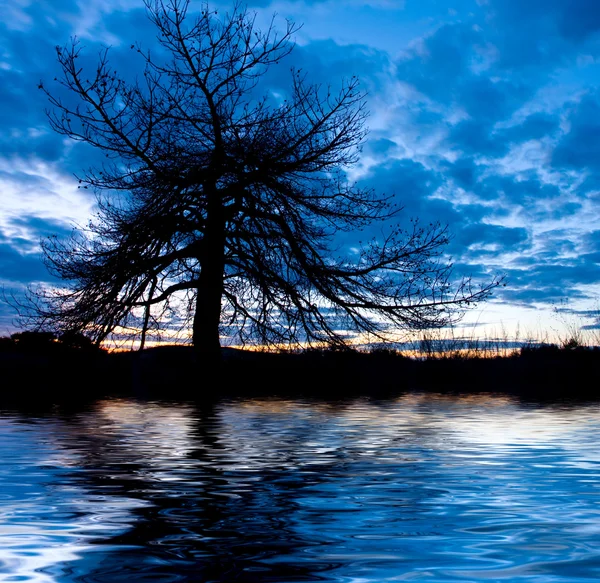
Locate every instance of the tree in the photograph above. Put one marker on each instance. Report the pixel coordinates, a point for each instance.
(231, 199)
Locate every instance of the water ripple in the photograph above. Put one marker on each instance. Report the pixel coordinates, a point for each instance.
(422, 488)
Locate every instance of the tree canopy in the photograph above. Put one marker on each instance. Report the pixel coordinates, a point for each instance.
(227, 199)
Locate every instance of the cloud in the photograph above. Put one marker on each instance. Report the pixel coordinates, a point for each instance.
(23, 124)
(579, 148)
(574, 21)
(592, 240)
(411, 185)
(556, 272)
(35, 229)
(21, 267)
(473, 138)
(437, 64)
(20, 252)
(536, 126)
(494, 237)
(31, 187)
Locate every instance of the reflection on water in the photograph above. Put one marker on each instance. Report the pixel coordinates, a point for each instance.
(425, 487)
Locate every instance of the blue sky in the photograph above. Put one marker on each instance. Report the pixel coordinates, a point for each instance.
(485, 115)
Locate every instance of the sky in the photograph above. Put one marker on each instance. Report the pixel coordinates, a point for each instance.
(484, 115)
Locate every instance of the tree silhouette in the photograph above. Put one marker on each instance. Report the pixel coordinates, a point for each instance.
(229, 199)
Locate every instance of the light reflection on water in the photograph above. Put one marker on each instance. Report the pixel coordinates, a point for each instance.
(423, 488)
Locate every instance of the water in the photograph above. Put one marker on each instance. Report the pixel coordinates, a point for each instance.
(421, 488)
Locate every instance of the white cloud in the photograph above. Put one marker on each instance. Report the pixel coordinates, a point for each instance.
(32, 187)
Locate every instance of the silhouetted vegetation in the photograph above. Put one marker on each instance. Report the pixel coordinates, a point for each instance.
(39, 367)
(41, 342)
(51, 369)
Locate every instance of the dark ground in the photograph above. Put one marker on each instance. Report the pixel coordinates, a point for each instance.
(56, 372)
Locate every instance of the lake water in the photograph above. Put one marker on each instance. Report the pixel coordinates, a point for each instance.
(424, 487)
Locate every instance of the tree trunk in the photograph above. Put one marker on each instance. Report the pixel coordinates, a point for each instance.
(207, 316)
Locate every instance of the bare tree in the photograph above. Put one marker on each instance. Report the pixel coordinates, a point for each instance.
(232, 201)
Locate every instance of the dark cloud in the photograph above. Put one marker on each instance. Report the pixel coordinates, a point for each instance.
(438, 65)
(534, 127)
(578, 19)
(488, 100)
(591, 259)
(464, 172)
(475, 138)
(132, 27)
(329, 64)
(552, 275)
(529, 296)
(499, 237)
(380, 147)
(20, 255)
(486, 104)
(525, 192)
(411, 186)
(21, 267)
(590, 186)
(23, 125)
(575, 20)
(538, 36)
(554, 245)
(591, 241)
(39, 228)
(562, 211)
(478, 271)
(580, 147)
